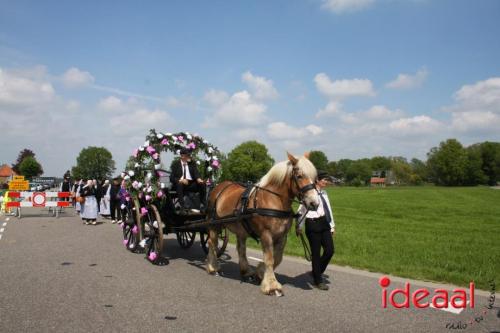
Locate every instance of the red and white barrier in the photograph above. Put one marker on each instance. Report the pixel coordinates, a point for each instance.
(38, 199)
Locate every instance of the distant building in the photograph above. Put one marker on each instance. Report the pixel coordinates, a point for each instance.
(377, 181)
(6, 174)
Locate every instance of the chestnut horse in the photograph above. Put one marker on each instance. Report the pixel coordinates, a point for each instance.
(270, 218)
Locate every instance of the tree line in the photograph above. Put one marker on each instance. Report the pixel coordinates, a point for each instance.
(449, 164)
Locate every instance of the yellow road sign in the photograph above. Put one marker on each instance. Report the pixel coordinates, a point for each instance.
(18, 178)
(22, 185)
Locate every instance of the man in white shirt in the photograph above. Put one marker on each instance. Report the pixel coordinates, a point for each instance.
(320, 227)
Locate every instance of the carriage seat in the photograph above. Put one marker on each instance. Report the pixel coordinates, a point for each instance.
(191, 199)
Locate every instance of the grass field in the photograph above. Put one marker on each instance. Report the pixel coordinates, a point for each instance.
(430, 233)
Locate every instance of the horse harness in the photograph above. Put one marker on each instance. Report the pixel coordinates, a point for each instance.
(243, 213)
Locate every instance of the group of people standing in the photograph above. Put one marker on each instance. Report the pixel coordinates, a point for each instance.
(93, 198)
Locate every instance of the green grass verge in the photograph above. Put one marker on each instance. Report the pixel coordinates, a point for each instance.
(432, 233)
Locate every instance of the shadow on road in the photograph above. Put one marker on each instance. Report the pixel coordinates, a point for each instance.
(229, 269)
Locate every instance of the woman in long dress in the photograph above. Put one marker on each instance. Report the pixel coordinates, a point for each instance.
(105, 201)
(89, 211)
(78, 189)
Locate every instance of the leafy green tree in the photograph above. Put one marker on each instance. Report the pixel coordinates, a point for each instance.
(380, 164)
(359, 172)
(247, 162)
(22, 155)
(401, 170)
(30, 167)
(490, 156)
(447, 163)
(331, 168)
(474, 174)
(319, 159)
(94, 163)
(343, 166)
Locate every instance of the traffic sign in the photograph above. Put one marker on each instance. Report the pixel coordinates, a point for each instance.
(18, 178)
(22, 185)
(39, 199)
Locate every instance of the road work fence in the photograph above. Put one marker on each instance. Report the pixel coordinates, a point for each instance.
(55, 201)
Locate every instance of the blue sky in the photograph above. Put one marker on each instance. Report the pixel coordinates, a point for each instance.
(353, 78)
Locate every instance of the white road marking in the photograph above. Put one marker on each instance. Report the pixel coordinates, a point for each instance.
(4, 224)
(7, 219)
(0, 236)
(256, 259)
(2, 229)
(450, 308)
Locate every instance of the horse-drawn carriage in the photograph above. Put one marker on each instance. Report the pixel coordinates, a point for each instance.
(153, 209)
(262, 211)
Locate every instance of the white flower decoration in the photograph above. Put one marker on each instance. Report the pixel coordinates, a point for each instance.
(162, 185)
(159, 135)
(131, 173)
(157, 166)
(146, 143)
(136, 165)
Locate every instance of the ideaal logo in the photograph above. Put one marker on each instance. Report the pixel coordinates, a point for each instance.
(440, 299)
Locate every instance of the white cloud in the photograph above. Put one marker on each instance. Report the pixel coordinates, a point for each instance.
(477, 108)
(475, 121)
(261, 87)
(415, 125)
(139, 122)
(75, 77)
(342, 6)
(483, 95)
(241, 109)
(408, 81)
(382, 112)
(111, 103)
(72, 105)
(331, 109)
(283, 131)
(24, 89)
(343, 88)
(216, 97)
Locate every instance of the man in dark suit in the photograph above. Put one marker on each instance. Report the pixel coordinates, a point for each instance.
(186, 178)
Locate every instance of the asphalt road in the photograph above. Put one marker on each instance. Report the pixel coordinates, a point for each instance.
(58, 275)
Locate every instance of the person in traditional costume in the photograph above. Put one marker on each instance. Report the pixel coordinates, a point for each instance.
(105, 199)
(89, 211)
(124, 202)
(78, 189)
(114, 200)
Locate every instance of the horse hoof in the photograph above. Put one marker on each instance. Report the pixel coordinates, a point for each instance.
(276, 292)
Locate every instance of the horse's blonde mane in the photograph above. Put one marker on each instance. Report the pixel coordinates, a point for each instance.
(278, 173)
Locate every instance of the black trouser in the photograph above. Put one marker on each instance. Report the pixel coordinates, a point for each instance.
(98, 199)
(192, 186)
(319, 235)
(114, 209)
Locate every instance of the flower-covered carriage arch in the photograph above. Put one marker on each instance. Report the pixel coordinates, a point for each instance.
(142, 175)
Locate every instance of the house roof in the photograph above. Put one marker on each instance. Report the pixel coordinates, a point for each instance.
(6, 171)
(376, 180)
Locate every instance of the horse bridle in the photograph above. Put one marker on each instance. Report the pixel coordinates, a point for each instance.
(301, 190)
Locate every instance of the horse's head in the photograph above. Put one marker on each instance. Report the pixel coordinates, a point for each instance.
(302, 181)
